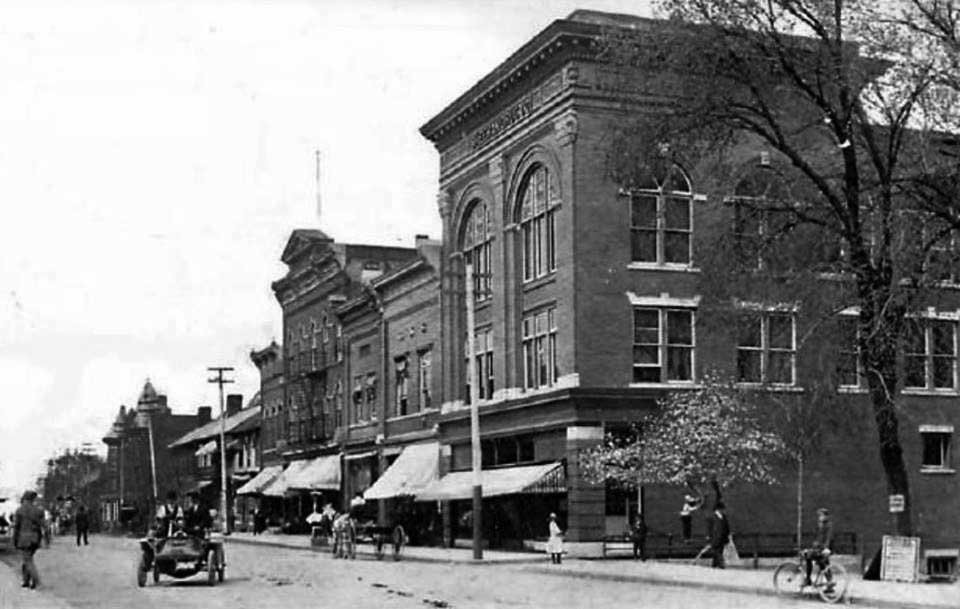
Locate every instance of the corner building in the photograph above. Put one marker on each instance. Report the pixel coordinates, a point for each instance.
(585, 314)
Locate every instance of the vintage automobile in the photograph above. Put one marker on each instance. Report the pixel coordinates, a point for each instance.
(181, 555)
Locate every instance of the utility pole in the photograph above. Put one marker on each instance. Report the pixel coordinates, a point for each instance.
(474, 421)
(220, 381)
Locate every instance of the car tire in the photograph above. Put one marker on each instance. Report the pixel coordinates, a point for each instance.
(141, 573)
(212, 567)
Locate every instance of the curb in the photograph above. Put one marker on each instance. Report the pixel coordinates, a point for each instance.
(849, 599)
(405, 557)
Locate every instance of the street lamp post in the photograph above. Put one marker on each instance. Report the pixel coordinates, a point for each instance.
(220, 381)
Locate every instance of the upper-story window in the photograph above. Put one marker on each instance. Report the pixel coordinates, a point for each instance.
(483, 346)
(849, 367)
(930, 354)
(538, 206)
(766, 347)
(475, 244)
(759, 200)
(540, 349)
(425, 379)
(663, 344)
(661, 220)
(402, 378)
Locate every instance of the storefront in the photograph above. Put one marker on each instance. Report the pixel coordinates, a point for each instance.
(411, 471)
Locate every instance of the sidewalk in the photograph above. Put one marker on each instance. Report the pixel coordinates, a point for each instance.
(414, 553)
(737, 579)
(12, 596)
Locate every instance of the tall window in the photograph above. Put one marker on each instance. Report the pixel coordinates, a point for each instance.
(339, 403)
(538, 204)
(484, 359)
(766, 348)
(357, 415)
(477, 235)
(761, 217)
(540, 349)
(930, 354)
(663, 342)
(371, 395)
(661, 220)
(936, 447)
(402, 386)
(425, 379)
(338, 344)
(848, 364)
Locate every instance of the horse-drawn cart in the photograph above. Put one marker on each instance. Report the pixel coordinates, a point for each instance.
(347, 534)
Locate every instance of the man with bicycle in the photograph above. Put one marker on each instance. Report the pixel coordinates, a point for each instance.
(820, 552)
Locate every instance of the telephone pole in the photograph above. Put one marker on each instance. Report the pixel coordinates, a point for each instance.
(220, 381)
(476, 461)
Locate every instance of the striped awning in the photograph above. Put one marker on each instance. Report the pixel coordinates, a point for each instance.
(520, 479)
(280, 486)
(414, 470)
(318, 474)
(261, 481)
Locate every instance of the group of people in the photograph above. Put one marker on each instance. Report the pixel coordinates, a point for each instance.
(190, 518)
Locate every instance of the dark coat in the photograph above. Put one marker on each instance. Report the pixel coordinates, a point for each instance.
(82, 520)
(718, 530)
(27, 526)
(824, 537)
(196, 519)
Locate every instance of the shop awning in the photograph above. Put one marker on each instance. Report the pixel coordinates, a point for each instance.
(206, 449)
(261, 481)
(279, 487)
(321, 473)
(200, 485)
(414, 470)
(546, 478)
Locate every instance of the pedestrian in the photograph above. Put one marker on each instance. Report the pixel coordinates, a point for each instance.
(555, 541)
(718, 526)
(691, 503)
(82, 522)
(27, 535)
(639, 537)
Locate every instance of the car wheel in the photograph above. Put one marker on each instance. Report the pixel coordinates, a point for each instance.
(212, 567)
(141, 573)
(156, 574)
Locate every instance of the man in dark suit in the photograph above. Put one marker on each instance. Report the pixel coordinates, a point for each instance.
(27, 535)
(719, 534)
(196, 519)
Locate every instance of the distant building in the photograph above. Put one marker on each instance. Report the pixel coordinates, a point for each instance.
(133, 481)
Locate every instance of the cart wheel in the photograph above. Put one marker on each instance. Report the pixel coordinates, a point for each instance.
(156, 574)
(378, 546)
(399, 540)
(141, 572)
(212, 567)
(221, 565)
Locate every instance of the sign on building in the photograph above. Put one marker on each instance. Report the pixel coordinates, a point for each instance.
(897, 504)
(900, 559)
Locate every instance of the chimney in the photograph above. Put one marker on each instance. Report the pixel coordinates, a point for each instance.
(203, 415)
(234, 404)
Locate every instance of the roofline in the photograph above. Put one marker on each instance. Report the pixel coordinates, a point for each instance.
(510, 67)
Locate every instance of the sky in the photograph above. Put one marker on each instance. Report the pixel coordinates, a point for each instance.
(156, 156)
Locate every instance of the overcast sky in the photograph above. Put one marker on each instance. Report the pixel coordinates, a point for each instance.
(156, 155)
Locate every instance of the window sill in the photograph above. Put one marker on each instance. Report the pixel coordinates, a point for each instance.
(773, 388)
(852, 389)
(533, 284)
(937, 470)
(931, 392)
(665, 267)
(668, 385)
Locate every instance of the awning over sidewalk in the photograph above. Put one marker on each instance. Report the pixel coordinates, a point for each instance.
(413, 471)
(206, 449)
(319, 474)
(261, 481)
(546, 478)
(280, 486)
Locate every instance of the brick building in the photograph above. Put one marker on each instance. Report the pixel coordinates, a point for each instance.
(586, 314)
(132, 480)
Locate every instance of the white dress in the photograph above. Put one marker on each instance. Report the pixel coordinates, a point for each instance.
(555, 542)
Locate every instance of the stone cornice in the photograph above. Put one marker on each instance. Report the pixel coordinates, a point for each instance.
(573, 38)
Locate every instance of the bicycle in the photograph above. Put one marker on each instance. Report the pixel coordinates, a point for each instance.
(830, 581)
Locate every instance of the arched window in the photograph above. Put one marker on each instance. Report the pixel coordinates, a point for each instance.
(538, 203)
(661, 219)
(475, 246)
(759, 201)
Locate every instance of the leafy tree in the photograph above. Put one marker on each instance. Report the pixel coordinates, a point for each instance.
(847, 103)
(711, 434)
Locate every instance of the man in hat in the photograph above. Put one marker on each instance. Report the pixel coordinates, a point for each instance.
(822, 542)
(27, 535)
(719, 534)
(168, 514)
(196, 519)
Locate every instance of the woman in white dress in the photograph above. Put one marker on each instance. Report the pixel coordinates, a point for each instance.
(555, 542)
